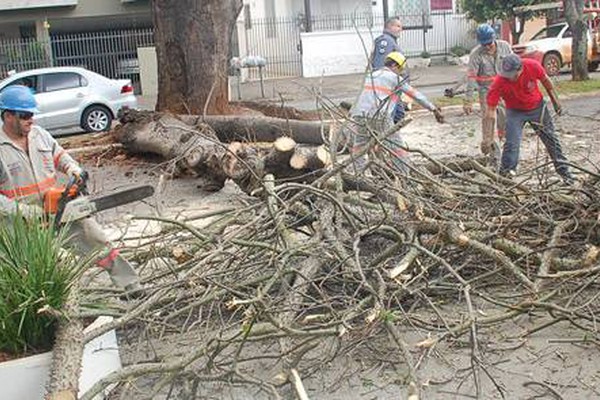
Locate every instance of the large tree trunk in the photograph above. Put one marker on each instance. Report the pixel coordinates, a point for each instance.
(261, 129)
(575, 18)
(517, 33)
(192, 45)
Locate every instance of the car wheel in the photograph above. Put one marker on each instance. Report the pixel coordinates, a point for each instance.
(552, 64)
(96, 119)
(593, 66)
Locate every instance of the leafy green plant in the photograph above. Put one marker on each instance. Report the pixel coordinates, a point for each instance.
(425, 54)
(35, 278)
(458, 51)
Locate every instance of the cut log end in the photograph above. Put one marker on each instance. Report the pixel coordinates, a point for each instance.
(284, 144)
(310, 159)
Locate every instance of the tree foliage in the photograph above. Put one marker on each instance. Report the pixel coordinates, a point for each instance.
(486, 10)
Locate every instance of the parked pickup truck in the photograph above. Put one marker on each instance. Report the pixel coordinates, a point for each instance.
(552, 47)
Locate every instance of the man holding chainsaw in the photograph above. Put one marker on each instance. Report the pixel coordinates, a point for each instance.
(484, 63)
(30, 159)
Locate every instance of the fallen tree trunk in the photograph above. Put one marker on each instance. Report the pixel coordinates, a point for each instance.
(67, 352)
(261, 129)
(194, 147)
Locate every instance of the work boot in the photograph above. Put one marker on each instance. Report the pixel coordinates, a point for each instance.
(508, 174)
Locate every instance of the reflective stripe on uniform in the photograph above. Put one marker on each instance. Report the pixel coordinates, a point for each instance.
(383, 90)
(57, 158)
(24, 191)
(478, 78)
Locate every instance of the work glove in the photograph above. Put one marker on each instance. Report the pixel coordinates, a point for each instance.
(467, 108)
(438, 115)
(557, 108)
(81, 177)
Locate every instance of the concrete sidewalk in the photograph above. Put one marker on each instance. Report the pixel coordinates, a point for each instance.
(302, 93)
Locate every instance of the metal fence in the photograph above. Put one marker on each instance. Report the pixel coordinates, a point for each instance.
(114, 53)
(279, 39)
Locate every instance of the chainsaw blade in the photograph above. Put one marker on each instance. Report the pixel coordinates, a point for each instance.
(122, 197)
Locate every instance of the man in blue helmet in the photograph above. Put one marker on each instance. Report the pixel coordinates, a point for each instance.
(484, 63)
(384, 44)
(30, 159)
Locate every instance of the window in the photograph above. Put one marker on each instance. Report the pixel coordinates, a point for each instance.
(29, 81)
(62, 81)
(549, 32)
(441, 5)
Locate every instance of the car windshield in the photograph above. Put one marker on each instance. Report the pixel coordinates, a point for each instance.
(549, 32)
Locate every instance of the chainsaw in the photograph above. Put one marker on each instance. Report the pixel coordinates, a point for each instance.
(73, 202)
(452, 92)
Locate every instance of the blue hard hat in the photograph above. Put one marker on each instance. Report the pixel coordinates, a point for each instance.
(485, 34)
(18, 98)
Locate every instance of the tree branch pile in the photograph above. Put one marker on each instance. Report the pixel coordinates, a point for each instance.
(387, 269)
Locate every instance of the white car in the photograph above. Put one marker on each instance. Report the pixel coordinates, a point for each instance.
(71, 97)
(551, 46)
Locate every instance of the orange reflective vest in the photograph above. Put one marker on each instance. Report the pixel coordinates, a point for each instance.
(381, 92)
(24, 178)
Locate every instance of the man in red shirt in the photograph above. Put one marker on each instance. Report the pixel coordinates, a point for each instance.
(517, 85)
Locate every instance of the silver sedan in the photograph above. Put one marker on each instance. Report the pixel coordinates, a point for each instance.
(71, 97)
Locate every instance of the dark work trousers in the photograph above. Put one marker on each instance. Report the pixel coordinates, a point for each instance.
(541, 121)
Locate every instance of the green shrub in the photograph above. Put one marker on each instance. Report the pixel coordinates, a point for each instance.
(425, 54)
(35, 278)
(458, 51)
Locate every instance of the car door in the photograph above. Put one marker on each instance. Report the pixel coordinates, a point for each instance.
(61, 99)
(566, 45)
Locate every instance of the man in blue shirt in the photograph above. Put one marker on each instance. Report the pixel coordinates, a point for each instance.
(386, 43)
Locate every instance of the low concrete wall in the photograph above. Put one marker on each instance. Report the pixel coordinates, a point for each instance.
(148, 71)
(335, 52)
(346, 52)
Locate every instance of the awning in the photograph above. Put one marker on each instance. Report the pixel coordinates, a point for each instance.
(6, 5)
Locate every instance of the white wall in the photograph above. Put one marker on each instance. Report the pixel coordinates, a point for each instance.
(335, 52)
(343, 52)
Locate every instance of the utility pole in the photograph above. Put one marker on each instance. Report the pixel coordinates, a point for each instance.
(386, 10)
(307, 16)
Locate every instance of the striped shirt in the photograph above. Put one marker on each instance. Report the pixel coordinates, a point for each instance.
(381, 92)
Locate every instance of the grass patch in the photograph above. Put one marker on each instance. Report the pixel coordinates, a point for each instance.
(576, 87)
(35, 278)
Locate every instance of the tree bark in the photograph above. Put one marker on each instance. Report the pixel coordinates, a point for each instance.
(194, 150)
(575, 18)
(194, 147)
(67, 352)
(516, 33)
(262, 129)
(192, 45)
